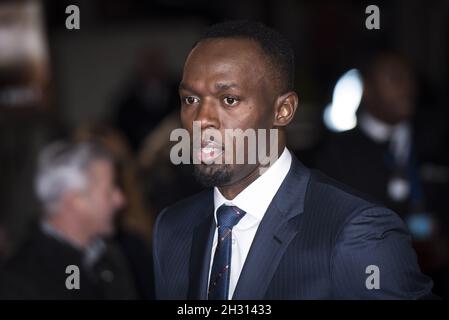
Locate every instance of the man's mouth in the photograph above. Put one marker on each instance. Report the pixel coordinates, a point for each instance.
(209, 151)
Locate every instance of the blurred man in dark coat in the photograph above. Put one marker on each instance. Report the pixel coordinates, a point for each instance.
(66, 256)
(391, 159)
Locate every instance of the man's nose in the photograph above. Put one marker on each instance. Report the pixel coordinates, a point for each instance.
(208, 114)
(119, 199)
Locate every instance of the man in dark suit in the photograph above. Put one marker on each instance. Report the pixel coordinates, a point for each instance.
(378, 156)
(285, 232)
(391, 154)
(67, 255)
(43, 269)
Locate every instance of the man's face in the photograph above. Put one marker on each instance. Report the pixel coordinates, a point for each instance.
(101, 200)
(393, 90)
(226, 84)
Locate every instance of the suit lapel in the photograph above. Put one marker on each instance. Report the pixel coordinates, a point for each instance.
(200, 256)
(269, 245)
(276, 230)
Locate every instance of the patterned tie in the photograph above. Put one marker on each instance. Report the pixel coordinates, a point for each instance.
(227, 218)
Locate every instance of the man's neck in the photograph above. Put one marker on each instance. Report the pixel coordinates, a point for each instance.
(68, 231)
(232, 191)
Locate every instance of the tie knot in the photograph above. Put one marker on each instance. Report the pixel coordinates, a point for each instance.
(229, 216)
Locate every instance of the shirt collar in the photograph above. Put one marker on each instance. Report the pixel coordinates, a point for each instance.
(374, 128)
(256, 197)
(52, 232)
(399, 135)
(377, 129)
(91, 253)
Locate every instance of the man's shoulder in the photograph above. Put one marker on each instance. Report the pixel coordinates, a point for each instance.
(337, 200)
(27, 252)
(346, 213)
(187, 210)
(323, 183)
(364, 233)
(36, 266)
(39, 252)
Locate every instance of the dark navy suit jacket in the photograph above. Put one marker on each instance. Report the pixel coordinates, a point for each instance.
(315, 241)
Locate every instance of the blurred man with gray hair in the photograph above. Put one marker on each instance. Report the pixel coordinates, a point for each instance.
(68, 255)
(76, 186)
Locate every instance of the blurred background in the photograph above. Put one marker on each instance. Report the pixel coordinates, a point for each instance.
(373, 103)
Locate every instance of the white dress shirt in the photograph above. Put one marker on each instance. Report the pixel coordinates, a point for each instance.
(254, 200)
(398, 135)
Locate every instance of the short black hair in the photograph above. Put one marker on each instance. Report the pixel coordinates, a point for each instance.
(274, 45)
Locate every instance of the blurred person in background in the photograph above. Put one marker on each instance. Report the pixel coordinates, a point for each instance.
(383, 156)
(164, 183)
(134, 219)
(375, 156)
(147, 99)
(76, 185)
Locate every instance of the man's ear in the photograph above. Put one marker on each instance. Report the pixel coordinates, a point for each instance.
(73, 200)
(286, 105)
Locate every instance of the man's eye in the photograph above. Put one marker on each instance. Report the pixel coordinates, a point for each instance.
(231, 101)
(190, 100)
